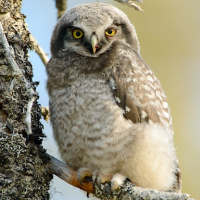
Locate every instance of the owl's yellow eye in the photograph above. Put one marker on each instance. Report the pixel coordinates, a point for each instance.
(111, 32)
(77, 33)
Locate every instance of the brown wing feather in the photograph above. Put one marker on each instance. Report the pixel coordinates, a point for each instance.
(125, 102)
(136, 89)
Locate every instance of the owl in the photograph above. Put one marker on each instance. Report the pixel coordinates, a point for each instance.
(107, 108)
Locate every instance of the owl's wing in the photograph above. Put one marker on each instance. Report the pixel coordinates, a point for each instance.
(137, 90)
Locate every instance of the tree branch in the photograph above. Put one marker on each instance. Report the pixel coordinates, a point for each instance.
(128, 191)
(61, 6)
(67, 174)
(131, 4)
(38, 49)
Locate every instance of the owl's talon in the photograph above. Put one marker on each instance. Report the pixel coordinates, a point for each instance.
(100, 178)
(117, 180)
(98, 181)
(84, 175)
(95, 177)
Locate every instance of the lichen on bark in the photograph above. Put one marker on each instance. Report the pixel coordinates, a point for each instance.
(22, 173)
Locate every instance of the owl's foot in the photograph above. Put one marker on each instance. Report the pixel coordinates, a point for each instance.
(85, 175)
(118, 180)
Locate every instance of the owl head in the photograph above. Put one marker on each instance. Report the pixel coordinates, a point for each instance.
(92, 29)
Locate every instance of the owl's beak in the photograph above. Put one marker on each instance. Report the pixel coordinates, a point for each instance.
(94, 43)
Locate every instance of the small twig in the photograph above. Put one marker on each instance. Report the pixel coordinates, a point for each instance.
(18, 73)
(39, 50)
(32, 98)
(45, 113)
(138, 1)
(61, 6)
(131, 4)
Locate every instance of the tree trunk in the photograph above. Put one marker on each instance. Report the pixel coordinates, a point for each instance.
(22, 173)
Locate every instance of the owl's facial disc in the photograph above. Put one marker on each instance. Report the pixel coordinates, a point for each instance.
(91, 41)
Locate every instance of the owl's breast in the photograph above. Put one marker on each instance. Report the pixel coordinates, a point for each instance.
(85, 117)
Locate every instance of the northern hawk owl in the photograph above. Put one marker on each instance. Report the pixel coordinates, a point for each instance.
(107, 108)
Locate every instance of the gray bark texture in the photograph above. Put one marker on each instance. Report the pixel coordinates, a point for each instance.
(22, 173)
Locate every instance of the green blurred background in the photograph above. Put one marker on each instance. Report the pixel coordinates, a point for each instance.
(169, 35)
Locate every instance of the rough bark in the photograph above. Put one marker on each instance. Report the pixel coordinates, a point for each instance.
(22, 173)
